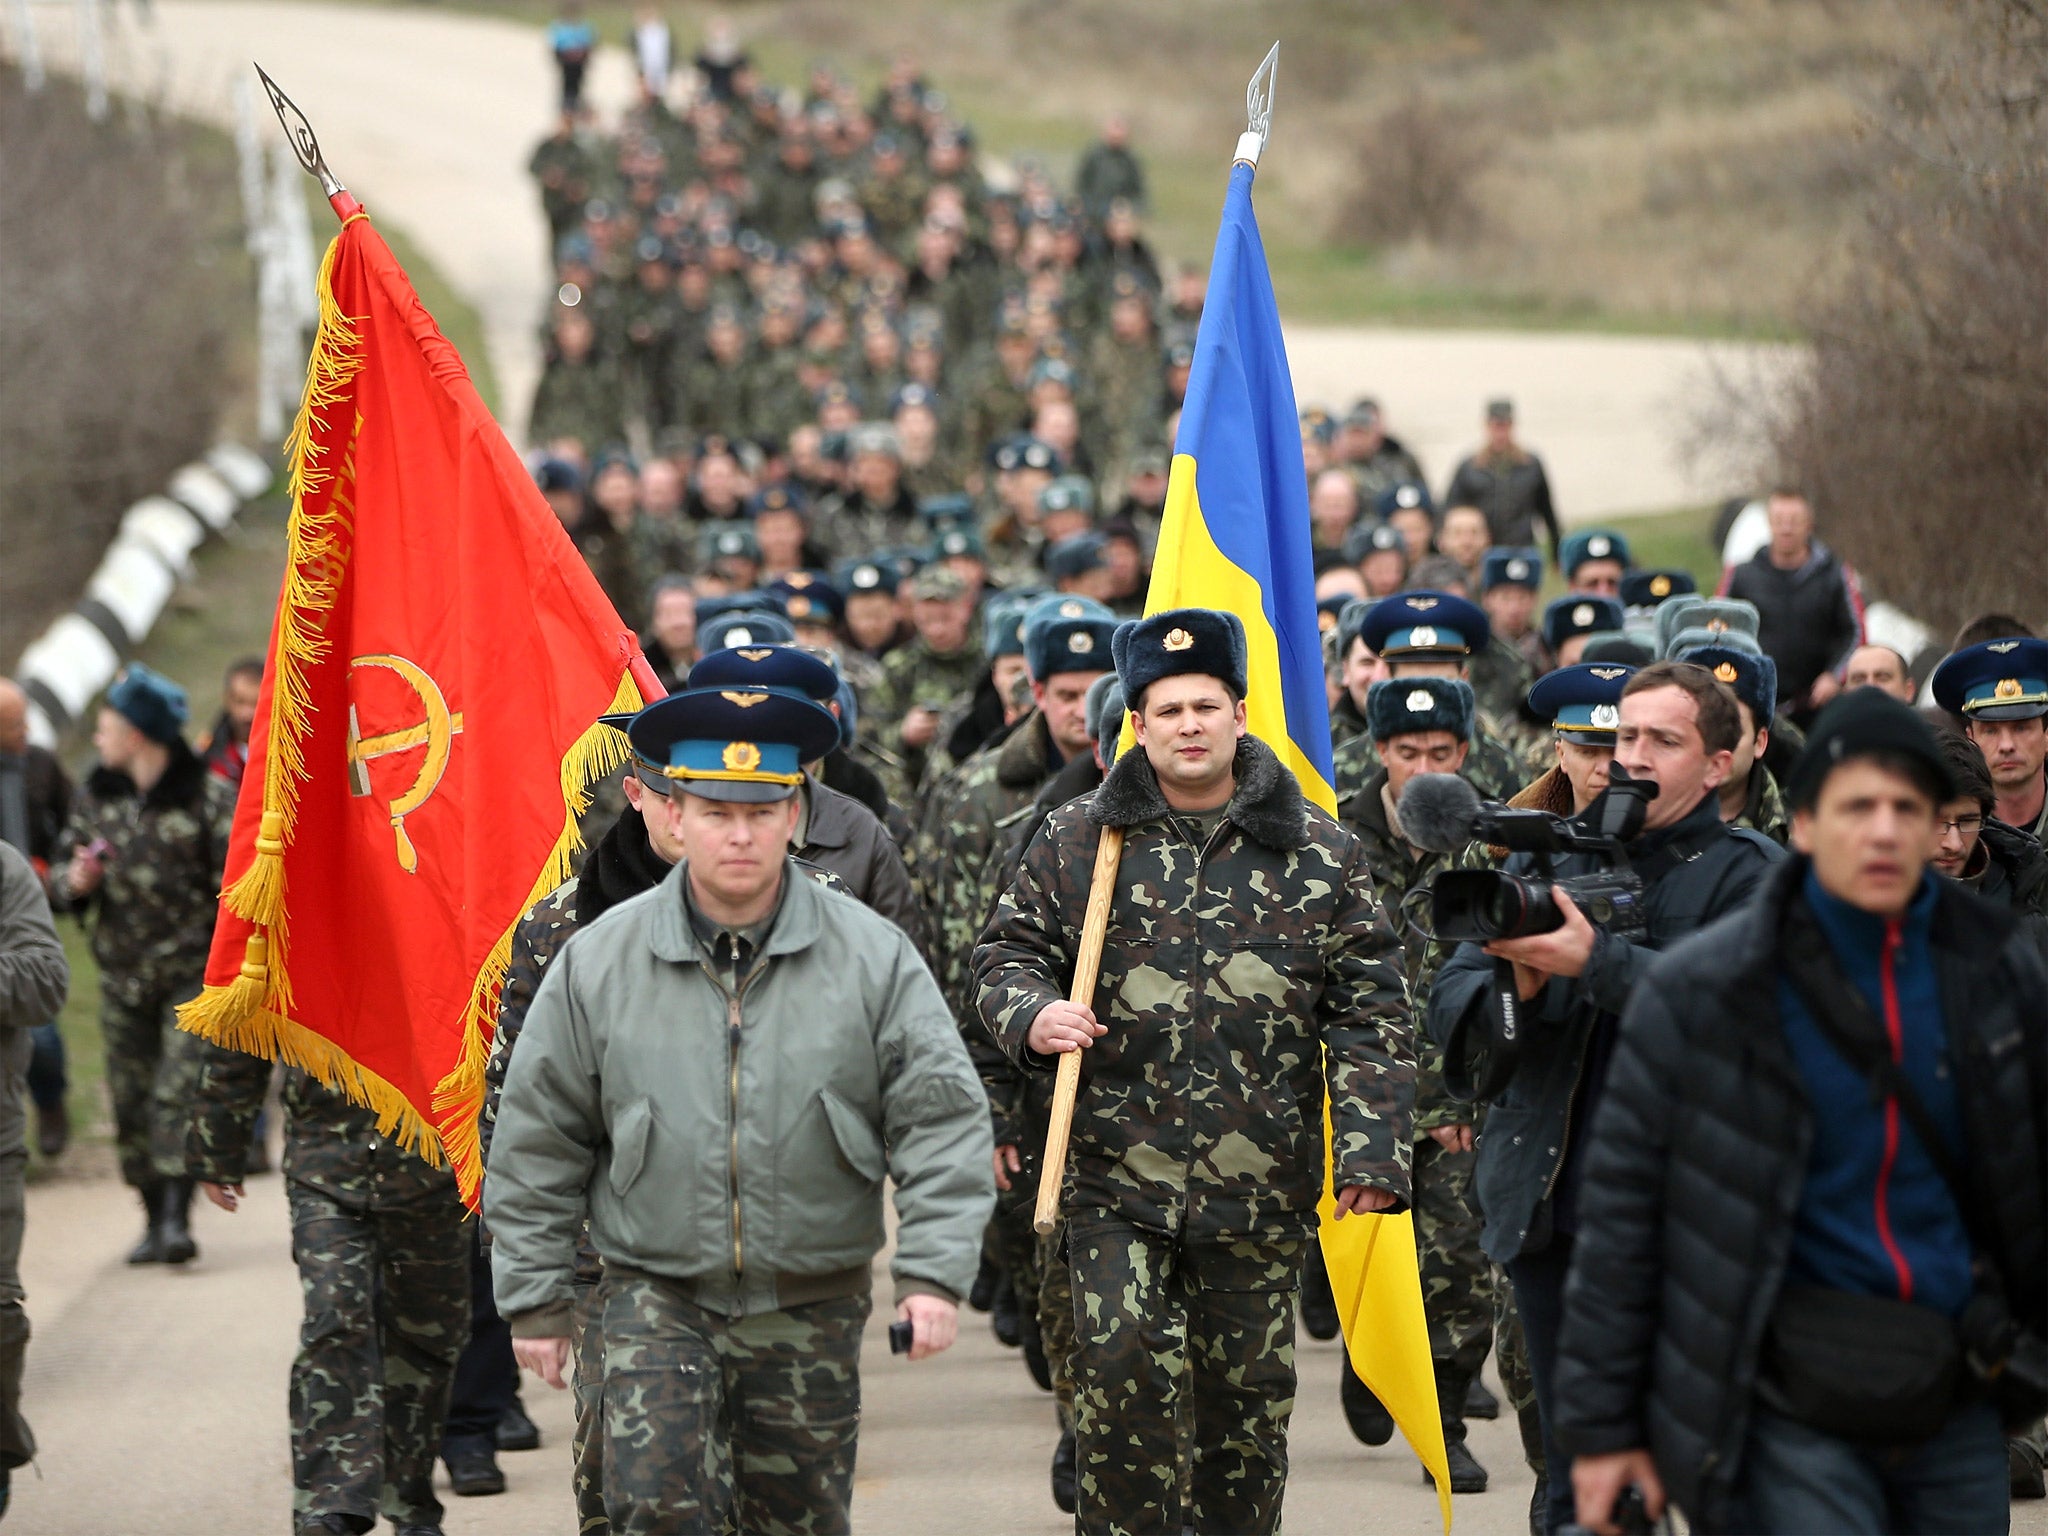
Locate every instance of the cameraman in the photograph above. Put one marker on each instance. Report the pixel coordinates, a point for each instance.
(1816, 1186)
(1676, 727)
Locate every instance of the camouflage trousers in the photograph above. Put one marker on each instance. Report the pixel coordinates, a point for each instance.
(386, 1317)
(1156, 1315)
(1457, 1279)
(153, 1071)
(728, 1425)
(1039, 1273)
(586, 1449)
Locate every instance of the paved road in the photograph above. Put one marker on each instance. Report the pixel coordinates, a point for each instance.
(430, 117)
(158, 1398)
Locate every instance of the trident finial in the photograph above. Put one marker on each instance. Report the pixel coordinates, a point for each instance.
(299, 132)
(1258, 108)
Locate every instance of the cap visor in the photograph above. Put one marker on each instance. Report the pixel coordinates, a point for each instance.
(1586, 738)
(734, 791)
(2020, 711)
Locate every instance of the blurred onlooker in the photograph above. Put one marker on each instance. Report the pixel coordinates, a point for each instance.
(35, 803)
(571, 40)
(1506, 482)
(1332, 508)
(226, 748)
(1809, 605)
(653, 50)
(34, 979)
(720, 61)
(1465, 536)
(1373, 458)
(1881, 667)
(670, 644)
(1109, 171)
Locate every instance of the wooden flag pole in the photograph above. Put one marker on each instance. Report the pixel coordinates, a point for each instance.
(1109, 850)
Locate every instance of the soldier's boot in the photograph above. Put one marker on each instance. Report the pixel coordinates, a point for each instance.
(2023, 1467)
(1065, 1475)
(151, 1249)
(1530, 1422)
(1318, 1306)
(982, 1296)
(517, 1432)
(1002, 1316)
(1033, 1344)
(1367, 1416)
(1467, 1475)
(176, 1225)
(1479, 1402)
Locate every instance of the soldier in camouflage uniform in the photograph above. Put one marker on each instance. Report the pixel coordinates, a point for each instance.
(581, 395)
(1431, 634)
(922, 680)
(1750, 796)
(143, 852)
(737, 1214)
(1424, 725)
(1249, 978)
(383, 1251)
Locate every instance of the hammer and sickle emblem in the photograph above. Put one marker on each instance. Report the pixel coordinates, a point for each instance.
(436, 732)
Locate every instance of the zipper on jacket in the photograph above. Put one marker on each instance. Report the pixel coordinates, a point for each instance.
(1894, 940)
(732, 1106)
(1187, 1179)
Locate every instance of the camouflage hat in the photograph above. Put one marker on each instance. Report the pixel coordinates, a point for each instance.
(938, 583)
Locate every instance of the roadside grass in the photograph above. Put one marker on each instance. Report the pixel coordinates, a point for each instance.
(1670, 169)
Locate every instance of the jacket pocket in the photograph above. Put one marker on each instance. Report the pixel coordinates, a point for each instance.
(860, 1147)
(629, 1145)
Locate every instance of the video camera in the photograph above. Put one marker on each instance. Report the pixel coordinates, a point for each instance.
(1442, 812)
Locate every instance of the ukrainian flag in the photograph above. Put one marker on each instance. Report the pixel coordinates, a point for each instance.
(1235, 535)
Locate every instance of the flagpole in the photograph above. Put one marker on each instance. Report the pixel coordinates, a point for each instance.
(1109, 847)
(299, 132)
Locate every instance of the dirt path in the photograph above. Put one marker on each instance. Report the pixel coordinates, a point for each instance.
(431, 118)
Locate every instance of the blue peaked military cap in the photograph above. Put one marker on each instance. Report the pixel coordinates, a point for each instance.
(1067, 633)
(950, 508)
(1075, 556)
(1405, 706)
(778, 498)
(1752, 675)
(1409, 493)
(1581, 614)
(808, 597)
(740, 744)
(150, 702)
(1177, 641)
(745, 626)
(1582, 703)
(857, 575)
(1511, 568)
(958, 541)
(779, 668)
(730, 540)
(1371, 538)
(1330, 611)
(1426, 624)
(1592, 544)
(1995, 680)
(1069, 493)
(1646, 589)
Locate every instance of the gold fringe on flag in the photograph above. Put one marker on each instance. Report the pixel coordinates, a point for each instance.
(459, 1099)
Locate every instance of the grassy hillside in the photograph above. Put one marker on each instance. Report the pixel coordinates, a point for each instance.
(1612, 164)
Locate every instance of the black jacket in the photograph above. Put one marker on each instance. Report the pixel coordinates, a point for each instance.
(1808, 620)
(1696, 1168)
(1569, 1029)
(1512, 491)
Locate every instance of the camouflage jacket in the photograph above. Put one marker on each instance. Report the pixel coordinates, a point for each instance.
(1493, 767)
(1397, 870)
(1764, 809)
(962, 833)
(1239, 981)
(166, 851)
(914, 675)
(1501, 678)
(331, 1143)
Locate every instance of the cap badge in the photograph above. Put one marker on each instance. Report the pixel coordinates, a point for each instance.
(760, 655)
(1605, 717)
(867, 576)
(1660, 586)
(1421, 701)
(1080, 642)
(1072, 610)
(739, 637)
(741, 756)
(1599, 548)
(1717, 626)
(1421, 638)
(1609, 674)
(1583, 614)
(744, 700)
(2002, 647)
(1725, 672)
(2008, 688)
(1326, 621)
(798, 606)
(1178, 640)
(1422, 604)
(1518, 570)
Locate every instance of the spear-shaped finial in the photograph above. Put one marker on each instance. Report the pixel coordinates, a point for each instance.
(1258, 108)
(299, 133)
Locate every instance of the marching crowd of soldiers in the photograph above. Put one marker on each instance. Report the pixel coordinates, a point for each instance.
(875, 454)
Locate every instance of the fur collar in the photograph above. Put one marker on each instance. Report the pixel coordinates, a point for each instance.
(1026, 757)
(1268, 806)
(182, 787)
(1551, 792)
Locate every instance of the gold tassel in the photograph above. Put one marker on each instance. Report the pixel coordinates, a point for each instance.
(459, 1098)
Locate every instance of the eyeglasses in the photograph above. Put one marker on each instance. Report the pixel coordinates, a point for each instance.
(1967, 826)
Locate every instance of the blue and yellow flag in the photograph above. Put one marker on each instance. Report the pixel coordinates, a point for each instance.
(1235, 535)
